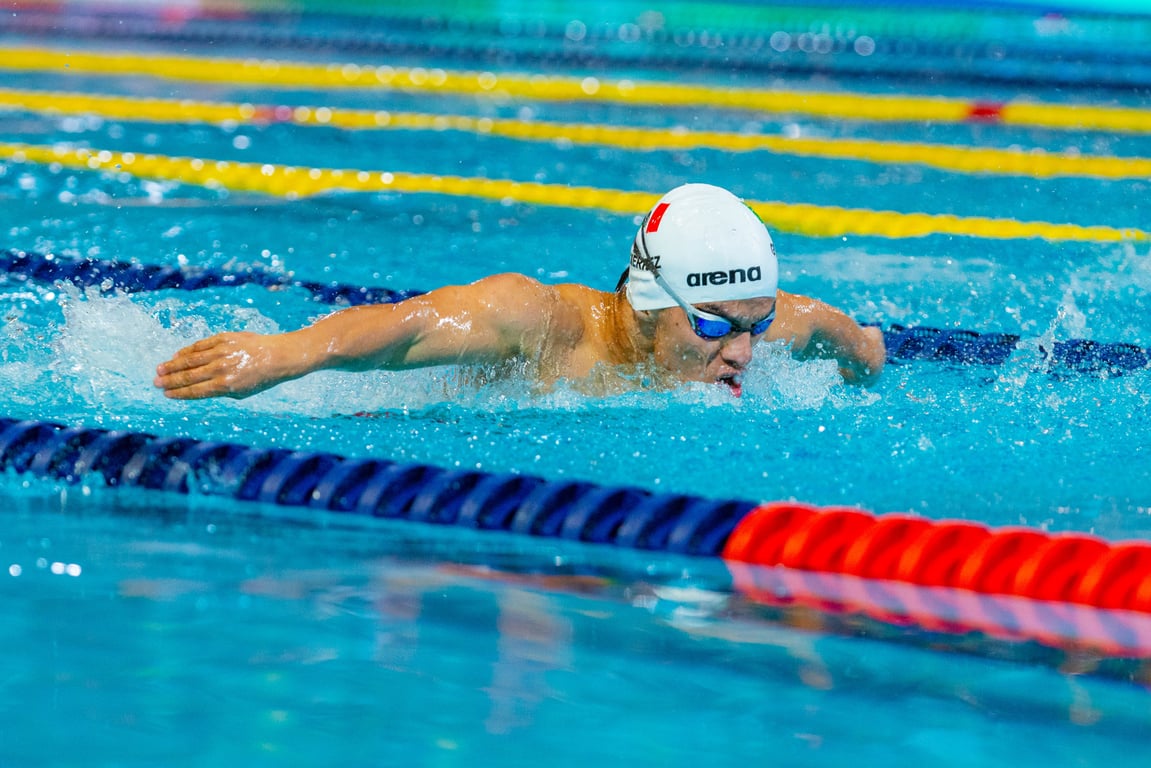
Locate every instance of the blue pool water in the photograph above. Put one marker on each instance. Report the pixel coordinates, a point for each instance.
(143, 629)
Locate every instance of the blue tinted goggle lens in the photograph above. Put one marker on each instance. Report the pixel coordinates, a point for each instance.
(762, 325)
(712, 328)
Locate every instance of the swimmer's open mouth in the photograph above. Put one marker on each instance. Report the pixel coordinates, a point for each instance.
(732, 383)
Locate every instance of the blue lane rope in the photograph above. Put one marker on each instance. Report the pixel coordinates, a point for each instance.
(523, 504)
(904, 344)
(1075, 356)
(111, 276)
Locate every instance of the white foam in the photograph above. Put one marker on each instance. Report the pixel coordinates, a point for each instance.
(776, 380)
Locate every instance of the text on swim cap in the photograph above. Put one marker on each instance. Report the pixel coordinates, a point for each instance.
(731, 276)
(644, 261)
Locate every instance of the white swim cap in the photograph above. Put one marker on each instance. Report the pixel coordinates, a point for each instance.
(707, 244)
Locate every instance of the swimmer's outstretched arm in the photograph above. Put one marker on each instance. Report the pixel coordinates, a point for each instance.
(820, 331)
(491, 320)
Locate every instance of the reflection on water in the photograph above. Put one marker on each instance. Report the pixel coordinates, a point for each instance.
(129, 621)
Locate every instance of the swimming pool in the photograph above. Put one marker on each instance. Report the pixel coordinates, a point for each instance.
(144, 628)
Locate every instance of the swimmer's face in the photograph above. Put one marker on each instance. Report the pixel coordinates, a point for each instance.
(683, 353)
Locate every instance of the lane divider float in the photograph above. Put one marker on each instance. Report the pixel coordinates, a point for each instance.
(131, 277)
(1065, 590)
(296, 182)
(960, 159)
(1012, 581)
(566, 88)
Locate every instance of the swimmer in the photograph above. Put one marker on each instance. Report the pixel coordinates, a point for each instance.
(699, 294)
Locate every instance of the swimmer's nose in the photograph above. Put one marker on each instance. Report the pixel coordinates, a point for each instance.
(736, 351)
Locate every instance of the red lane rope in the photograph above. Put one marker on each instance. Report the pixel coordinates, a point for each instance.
(1118, 579)
(1019, 562)
(1069, 591)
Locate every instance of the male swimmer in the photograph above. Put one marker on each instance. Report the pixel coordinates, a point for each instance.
(699, 294)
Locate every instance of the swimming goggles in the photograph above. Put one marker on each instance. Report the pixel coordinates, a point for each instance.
(711, 327)
(706, 325)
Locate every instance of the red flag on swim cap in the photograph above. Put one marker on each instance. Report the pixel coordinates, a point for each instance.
(656, 216)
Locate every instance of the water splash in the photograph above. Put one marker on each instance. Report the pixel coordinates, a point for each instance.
(106, 350)
(777, 381)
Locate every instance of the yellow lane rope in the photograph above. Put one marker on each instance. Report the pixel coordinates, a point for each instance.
(1037, 164)
(292, 182)
(272, 73)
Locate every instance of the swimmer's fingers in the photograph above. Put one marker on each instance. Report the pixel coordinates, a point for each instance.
(198, 391)
(202, 351)
(194, 383)
(182, 363)
(199, 382)
(182, 368)
(225, 365)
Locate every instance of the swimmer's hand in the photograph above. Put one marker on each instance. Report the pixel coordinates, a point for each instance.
(228, 365)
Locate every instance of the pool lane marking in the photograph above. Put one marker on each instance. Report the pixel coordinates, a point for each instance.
(538, 86)
(968, 160)
(295, 182)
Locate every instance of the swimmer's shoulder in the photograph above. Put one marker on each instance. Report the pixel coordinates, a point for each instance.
(568, 308)
(515, 298)
(580, 295)
(582, 304)
(557, 315)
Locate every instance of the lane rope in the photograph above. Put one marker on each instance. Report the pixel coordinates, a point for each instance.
(904, 344)
(295, 182)
(378, 488)
(130, 277)
(970, 558)
(1100, 592)
(541, 87)
(969, 160)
